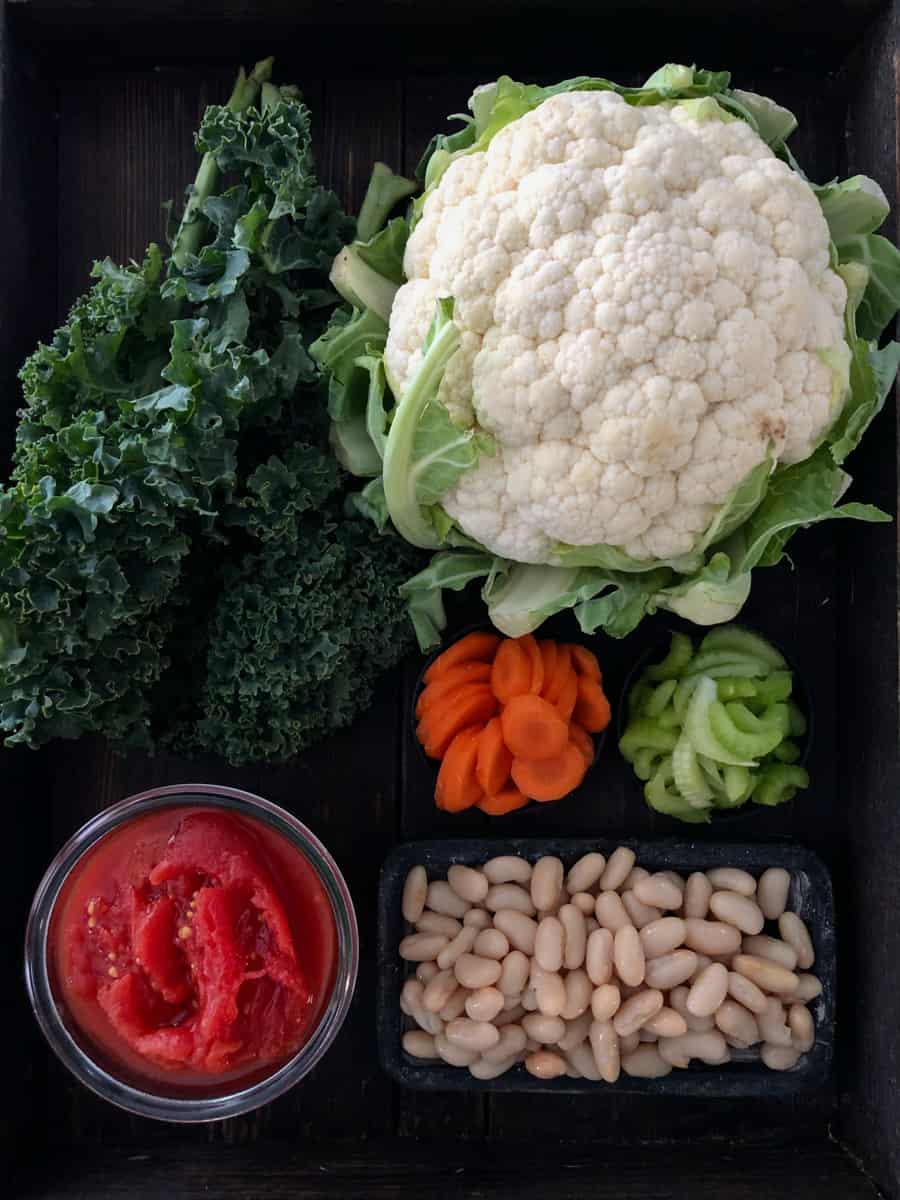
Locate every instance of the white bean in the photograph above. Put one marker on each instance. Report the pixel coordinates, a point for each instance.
(803, 1031)
(426, 971)
(546, 1030)
(507, 869)
(546, 882)
(415, 889)
(618, 867)
(432, 922)
(708, 990)
(605, 1047)
(808, 987)
(550, 992)
(581, 1058)
(410, 995)
(666, 1023)
(637, 1011)
(737, 1023)
(669, 970)
(711, 937)
(578, 993)
(456, 1056)
(610, 911)
(746, 993)
(779, 1058)
(491, 943)
(771, 949)
(740, 911)
(697, 892)
(605, 1002)
(678, 1000)
(441, 898)
(422, 947)
(513, 973)
(483, 1068)
(591, 923)
(461, 944)
(585, 873)
(584, 902)
(519, 929)
(732, 879)
(574, 936)
(509, 1016)
(411, 1003)
(548, 944)
(512, 1042)
(472, 1035)
(772, 892)
(576, 1032)
(708, 1047)
(659, 891)
(470, 885)
(599, 956)
(479, 917)
(455, 1006)
(632, 878)
(629, 1043)
(628, 956)
(531, 1046)
(640, 914)
(475, 972)
(419, 1044)
(529, 1000)
(793, 929)
(439, 991)
(769, 976)
(646, 1063)
(772, 1026)
(544, 1064)
(663, 936)
(484, 1004)
(702, 963)
(675, 878)
(509, 896)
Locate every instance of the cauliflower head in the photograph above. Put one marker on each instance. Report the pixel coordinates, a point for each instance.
(646, 313)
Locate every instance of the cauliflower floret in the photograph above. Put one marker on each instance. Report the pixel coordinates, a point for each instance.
(644, 301)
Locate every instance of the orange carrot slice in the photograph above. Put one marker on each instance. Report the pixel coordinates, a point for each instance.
(592, 707)
(470, 705)
(479, 646)
(457, 787)
(562, 669)
(550, 778)
(585, 663)
(506, 801)
(548, 657)
(512, 670)
(565, 701)
(454, 677)
(494, 759)
(532, 728)
(583, 740)
(533, 650)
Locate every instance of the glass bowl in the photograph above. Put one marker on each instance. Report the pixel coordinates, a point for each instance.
(185, 1104)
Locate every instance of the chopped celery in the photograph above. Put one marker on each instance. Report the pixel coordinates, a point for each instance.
(735, 687)
(689, 777)
(739, 744)
(778, 716)
(798, 724)
(738, 784)
(646, 761)
(643, 733)
(723, 663)
(737, 639)
(637, 697)
(698, 726)
(663, 800)
(683, 694)
(669, 719)
(787, 752)
(673, 665)
(656, 702)
(778, 783)
(773, 689)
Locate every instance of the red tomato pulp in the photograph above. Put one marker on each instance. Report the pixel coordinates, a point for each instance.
(194, 945)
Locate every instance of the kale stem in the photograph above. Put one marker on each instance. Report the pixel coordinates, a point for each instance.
(193, 223)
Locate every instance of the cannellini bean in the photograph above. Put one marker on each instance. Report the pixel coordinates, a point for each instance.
(546, 882)
(640, 914)
(772, 892)
(678, 1000)
(675, 878)
(803, 1031)
(629, 1043)
(669, 970)
(519, 929)
(808, 987)
(769, 976)
(585, 873)
(411, 1003)
(581, 1058)
(590, 924)
(584, 902)
(456, 1056)
(550, 992)
(491, 943)
(610, 911)
(772, 1026)
(426, 971)
(484, 1004)
(576, 1032)
(574, 936)
(628, 956)
(513, 973)
(511, 1001)
(697, 892)
(410, 995)
(605, 1002)
(509, 1016)
(737, 1024)
(666, 1023)
(779, 1058)
(529, 1000)
(546, 1030)
(646, 1063)
(548, 944)
(415, 889)
(708, 1047)
(478, 917)
(740, 911)
(793, 929)
(461, 944)
(441, 898)
(422, 947)
(439, 991)
(572, 1072)
(771, 949)
(485, 1069)
(509, 896)
(432, 922)
(732, 879)
(455, 1006)
(605, 1047)
(702, 963)
(663, 936)
(531, 1046)
(618, 867)
(659, 891)
(745, 992)
(544, 1064)
(598, 959)
(508, 868)
(708, 990)
(644, 1035)
(578, 993)
(475, 972)
(472, 1035)
(632, 878)
(419, 1044)
(637, 1010)
(711, 937)
(512, 1042)
(470, 885)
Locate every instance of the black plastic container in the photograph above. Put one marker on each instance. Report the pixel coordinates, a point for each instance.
(810, 896)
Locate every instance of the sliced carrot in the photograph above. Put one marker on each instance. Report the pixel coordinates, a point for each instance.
(512, 670)
(533, 650)
(503, 802)
(457, 787)
(585, 663)
(550, 778)
(583, 740)
(532, 728)
(592, 707)
(471, 705)
(548, 657)
(565, 701)
(467, 672)
(494, 759)
(479, 646)
(562, 669)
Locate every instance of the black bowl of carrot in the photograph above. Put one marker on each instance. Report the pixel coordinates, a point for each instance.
(508, 723)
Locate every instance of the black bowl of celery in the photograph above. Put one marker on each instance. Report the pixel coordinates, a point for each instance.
(714, 725)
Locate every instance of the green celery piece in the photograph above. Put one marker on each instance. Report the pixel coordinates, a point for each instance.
(699, 728)
(773, 689)
(655, 704)
(779, 716)
(738, 785)
(663, 799)
(787, 751)
(778, 783)
(798, 722)
(689, 777)
(676, 662)
(669, 719)
(683, 693)
(744, 643)
(735, 740)
(734, 687)
(637, 697)
(646, 761)
(642, 733)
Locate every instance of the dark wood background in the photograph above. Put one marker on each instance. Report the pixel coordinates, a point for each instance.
(94, 136)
